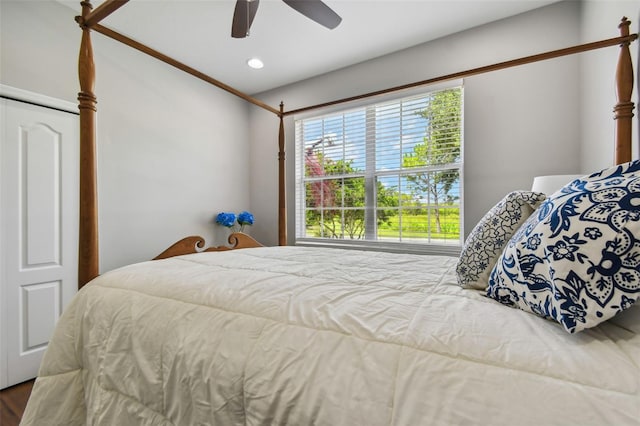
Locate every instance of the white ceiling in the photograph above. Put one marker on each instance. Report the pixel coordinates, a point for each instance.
(293, 48)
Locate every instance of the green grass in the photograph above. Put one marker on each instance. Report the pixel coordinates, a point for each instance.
(413, 226)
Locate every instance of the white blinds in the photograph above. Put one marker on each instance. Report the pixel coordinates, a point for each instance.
(387, 172)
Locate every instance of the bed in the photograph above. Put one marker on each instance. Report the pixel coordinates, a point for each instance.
(294, 335)
(301, 336)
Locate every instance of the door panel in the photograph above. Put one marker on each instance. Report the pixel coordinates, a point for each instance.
(40, 194)
(39, 308)
(38, 236)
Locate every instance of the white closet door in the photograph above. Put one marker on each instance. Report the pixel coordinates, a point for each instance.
(38, 232)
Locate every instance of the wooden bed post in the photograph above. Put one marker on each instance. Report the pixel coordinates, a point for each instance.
(282, 200)
(88, 263)
(624, 108)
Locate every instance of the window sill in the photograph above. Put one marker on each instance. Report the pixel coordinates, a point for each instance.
(452, 249)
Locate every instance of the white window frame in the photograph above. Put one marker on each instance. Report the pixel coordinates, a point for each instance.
(451, 248)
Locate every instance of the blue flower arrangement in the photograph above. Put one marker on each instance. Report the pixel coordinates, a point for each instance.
(235, 222)
(245, 218)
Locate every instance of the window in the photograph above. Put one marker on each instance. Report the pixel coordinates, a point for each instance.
(382, 175)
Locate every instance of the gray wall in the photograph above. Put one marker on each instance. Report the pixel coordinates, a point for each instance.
(597, 70)
(552, 117)
(172, 151)
(519, 123)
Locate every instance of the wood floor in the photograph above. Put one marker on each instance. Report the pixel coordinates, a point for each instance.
(13, 400)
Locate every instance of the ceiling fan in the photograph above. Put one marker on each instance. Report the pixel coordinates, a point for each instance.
(315, 10)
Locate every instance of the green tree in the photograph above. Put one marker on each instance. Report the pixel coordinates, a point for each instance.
(325, 196)
(441, 146)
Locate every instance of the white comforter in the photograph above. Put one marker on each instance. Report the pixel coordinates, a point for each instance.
(310, 336)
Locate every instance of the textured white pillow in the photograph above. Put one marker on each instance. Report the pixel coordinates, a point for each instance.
(490, 236)
(577, 259)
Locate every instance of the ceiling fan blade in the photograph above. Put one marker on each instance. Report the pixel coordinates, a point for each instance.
(317, 11)
(243, 17)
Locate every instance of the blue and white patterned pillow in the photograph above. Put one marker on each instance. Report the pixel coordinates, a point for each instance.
(491, 234)
(577, 259)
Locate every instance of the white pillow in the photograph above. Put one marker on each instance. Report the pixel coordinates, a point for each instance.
(489, 237)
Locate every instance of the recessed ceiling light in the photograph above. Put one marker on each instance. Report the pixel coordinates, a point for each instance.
(255, 63)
